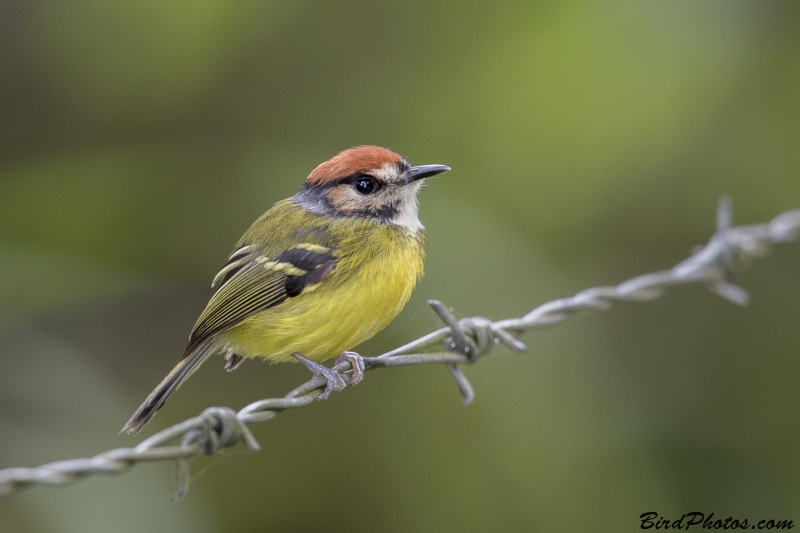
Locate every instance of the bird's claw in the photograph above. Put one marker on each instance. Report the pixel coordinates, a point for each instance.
(356, 362)
(335, 380)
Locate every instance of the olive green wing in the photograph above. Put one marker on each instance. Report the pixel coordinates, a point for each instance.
(251, 282)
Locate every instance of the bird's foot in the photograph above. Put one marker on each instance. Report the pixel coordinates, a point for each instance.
(356, 361)
(335, 380)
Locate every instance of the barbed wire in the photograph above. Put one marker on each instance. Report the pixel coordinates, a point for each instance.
(464, 342)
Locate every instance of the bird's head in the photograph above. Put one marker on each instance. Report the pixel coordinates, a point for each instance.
(368, 182)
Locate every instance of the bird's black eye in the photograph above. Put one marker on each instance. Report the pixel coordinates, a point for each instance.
(366, 185)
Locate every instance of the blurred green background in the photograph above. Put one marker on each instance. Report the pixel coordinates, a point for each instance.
(589, 143)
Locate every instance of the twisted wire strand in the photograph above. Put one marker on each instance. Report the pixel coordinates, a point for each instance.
(464, 342)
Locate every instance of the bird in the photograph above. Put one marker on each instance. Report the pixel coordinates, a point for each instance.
(316, 275)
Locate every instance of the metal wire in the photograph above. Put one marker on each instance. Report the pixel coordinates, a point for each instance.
(464, 342)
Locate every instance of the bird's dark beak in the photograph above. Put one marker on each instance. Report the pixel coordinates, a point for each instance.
(424, 171)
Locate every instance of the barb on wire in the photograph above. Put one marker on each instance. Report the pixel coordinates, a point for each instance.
(464, 342)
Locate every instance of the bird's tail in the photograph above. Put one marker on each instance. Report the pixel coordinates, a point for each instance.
(159, 396)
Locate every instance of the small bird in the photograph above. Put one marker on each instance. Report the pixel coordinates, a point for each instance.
(316, 275)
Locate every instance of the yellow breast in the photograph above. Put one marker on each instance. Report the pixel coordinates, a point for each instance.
(375, 273)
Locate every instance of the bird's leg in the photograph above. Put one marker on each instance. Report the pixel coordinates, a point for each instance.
(356, 361)
(233, 361)
(335, 380)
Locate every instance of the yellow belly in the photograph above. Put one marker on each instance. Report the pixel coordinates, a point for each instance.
(357, 301)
